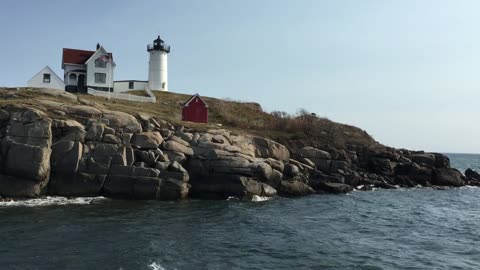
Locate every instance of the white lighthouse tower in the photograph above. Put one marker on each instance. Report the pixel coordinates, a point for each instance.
(158, 65)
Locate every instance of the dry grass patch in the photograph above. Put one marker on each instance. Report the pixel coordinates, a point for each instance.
(240, 117)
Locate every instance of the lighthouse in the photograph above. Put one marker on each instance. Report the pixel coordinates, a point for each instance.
(158, 65)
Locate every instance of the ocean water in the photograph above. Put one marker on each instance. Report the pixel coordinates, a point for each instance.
(382, 229)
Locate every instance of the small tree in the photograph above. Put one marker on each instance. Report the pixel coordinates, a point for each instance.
(307, 120)
(280, 120)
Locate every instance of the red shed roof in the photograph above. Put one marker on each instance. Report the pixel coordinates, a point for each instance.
(192, 98)
(79, 57)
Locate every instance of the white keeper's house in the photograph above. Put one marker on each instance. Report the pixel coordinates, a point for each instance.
(88, 69)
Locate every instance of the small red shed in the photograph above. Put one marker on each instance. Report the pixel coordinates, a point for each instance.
(195, 110)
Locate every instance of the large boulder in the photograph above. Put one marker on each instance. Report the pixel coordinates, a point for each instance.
(177, 167)
(184, 177)
(119, 186)
(122, 122)
(15, 187)
(382, 166)
(76, 136)
(147, 140)
(80, 184)
(233, 164)
(110, 138)
(145, 172)
(291, 170)
(323, 165)
(264, 171)
(335, 188)
(65, 157)
(266, 148)
(186, 136)
(105, 150)
(243, 145)
(308, 162)
(146, 188)
(179, 140)
(471, 174)
(275, 164)
(178, 147)
(319, 177)
(94, 165)
(387, 153)
(68, 125)
(4, 116)
(339, 166)
(38, 133)
(414, 172)
(95, 131)
(27, 161)
(173, 156)
(83, 111)
(172, 189)
(314, 153)
(424, 159)
(149, 157)
(294, 189)
(441, 161)
(274, 180)
(222, 186)
(447, 177)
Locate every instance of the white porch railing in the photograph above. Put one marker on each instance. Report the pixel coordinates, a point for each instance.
(150, 99)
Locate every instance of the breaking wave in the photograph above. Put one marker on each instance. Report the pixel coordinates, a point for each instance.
(254, 198)
(257, 198)
(155, 266)
(49, 201)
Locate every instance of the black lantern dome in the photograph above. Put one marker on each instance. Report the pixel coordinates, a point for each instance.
(158, 45)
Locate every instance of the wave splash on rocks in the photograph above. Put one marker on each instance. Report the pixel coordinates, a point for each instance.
(51, 201)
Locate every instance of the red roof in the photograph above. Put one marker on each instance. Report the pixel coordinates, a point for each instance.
(192, 98)
(79, 57)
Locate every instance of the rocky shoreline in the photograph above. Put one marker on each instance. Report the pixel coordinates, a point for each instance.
(82, 150)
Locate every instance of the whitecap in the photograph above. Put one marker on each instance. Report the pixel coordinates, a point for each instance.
(469, 187)
(49, 201)
(257, 198)
(254, 198)
(156, 266)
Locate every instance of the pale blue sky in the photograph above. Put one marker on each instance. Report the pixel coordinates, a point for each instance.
(406, 71)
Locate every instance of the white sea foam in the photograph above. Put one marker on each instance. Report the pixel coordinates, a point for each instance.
(469, 187)
(254, 198)
(156, 266)
(48, 201)
(257, 198)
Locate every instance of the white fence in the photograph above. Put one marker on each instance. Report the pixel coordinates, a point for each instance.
(149, 92)
(150, 99)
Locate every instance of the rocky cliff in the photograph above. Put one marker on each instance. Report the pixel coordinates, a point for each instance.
(81, 148)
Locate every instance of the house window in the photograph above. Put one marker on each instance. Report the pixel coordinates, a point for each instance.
(100, 78)
(130, 85)
(100, 64)
(46, 78)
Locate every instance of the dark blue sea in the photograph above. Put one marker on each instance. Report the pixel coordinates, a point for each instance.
(381, 229)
